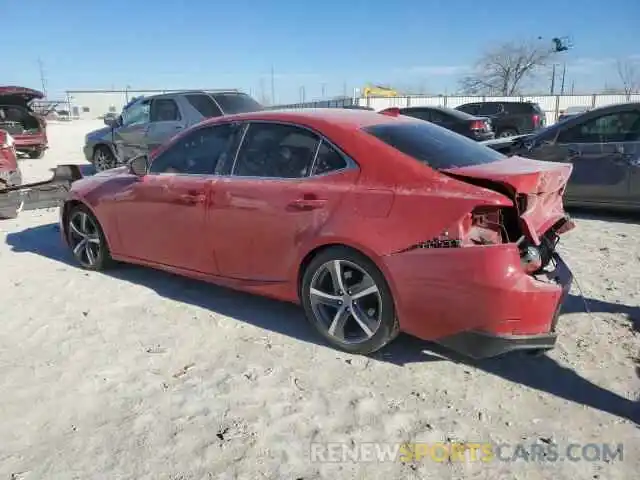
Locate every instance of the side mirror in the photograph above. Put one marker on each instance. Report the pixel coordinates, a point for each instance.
(139, 165)
(111, 120)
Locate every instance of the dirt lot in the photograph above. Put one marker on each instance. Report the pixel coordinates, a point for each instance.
(142, 375)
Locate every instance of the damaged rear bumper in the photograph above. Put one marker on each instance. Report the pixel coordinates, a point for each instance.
(478, 301)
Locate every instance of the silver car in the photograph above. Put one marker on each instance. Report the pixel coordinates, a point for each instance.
(148, 122)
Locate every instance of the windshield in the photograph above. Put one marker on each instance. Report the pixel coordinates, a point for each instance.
(433, 145)
(231, 103)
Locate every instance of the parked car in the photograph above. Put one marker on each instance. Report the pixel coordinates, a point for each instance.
(375, 224)
(28, 129)
(147, 122)
(476, 128)
(603, 145)
(9, 176)
(572, 112)
(508, 118)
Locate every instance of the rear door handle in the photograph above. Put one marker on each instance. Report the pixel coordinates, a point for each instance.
(308, 203)
(192, 197)
(573, 153)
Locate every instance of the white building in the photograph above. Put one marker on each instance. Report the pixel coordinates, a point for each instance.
(84, 104)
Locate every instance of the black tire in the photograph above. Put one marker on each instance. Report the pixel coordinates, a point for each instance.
(94, 238)
(507, 132)
(38, 153)
(387, 327)
(103, 158)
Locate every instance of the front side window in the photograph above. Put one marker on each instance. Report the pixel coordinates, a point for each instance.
(614, 127)
(432, 145)
(197, 153)
(164, 110)
(275, 150)
(136, 114)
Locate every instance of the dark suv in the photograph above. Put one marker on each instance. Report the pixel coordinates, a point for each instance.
(148, 122)
(508, 118)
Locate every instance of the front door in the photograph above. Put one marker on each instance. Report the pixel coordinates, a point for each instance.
(129, 136)
(600, 149)
(162, 218)
(284, 186)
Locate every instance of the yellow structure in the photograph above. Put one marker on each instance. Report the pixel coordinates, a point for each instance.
(378, 91)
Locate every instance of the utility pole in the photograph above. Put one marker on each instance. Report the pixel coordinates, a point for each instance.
(273, 86)
(43, 80)
(344, 89)
(324, 86)
(553, 79)
(262, 97)
(302, 94)
(564, 72)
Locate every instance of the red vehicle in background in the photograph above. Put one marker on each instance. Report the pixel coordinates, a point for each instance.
(28, 129)
(10, 176)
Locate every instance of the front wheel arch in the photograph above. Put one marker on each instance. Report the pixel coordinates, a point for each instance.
(66, 209)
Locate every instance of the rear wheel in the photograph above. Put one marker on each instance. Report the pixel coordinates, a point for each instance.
(37, 153)
(103, 159)
(86, 239)
(347, 299)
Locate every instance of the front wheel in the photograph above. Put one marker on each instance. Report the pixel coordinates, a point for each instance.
(103, 159)
(86, 239)
(347, 299)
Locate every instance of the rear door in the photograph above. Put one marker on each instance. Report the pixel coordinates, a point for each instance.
(166, 120)
(285, 184)
(162, 217)
(601, 150)
(129, 137)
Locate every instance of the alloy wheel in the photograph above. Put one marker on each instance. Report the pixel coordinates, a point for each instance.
(84, 238)
(346, 301)
(103, 160)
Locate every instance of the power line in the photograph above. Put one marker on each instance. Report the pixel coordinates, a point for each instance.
(43, 79)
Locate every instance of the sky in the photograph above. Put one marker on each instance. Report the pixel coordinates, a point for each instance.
(309, 48)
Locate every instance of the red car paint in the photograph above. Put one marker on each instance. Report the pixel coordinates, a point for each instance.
(8, 159)
(244, 233)
(22, 97)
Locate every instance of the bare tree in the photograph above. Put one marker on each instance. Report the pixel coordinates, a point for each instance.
(502, 70)
(629, 76)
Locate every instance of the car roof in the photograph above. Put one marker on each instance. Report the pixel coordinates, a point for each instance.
(192, 92)
(341, 117)
(446, 110)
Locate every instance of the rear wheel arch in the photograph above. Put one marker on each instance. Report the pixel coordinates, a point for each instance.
(317, 250)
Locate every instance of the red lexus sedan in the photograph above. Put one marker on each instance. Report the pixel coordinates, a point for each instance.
(375, 224)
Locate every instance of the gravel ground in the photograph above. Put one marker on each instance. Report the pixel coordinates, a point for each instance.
(140, 374)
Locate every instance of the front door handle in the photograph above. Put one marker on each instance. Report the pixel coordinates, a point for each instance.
(192, 197)
(308, 203)
(572, 153)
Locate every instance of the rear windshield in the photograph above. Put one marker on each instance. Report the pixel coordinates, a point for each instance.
(435, 146)
(237, 103)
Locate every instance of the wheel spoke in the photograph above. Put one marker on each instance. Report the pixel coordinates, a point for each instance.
(74, 228)
(94, 238)
(335, 270)
(336, 329)
(91, 258)
(318, 296)
(363, 321)
(366, 287)
(77, 250)
(83, 223)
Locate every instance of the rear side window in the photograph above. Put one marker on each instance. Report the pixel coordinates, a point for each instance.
(204, 104)
(164, 110)
(237, 103)
(434, 146)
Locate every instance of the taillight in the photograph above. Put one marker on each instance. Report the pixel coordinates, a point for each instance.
(391, 112)
(536, 121)
(478, 125)
(6, 140)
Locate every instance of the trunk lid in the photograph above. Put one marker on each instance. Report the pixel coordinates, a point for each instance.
(12, 95)
(536, 187)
